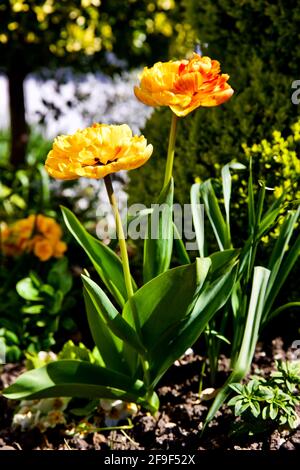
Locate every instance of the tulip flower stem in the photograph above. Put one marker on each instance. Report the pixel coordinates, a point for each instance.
(126, 269)
(171, 150)
(120, 233)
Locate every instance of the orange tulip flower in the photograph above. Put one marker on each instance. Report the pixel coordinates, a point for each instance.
(184, 85)
(38, 234)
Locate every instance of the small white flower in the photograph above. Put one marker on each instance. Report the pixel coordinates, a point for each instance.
(24, 421)
(47, 356)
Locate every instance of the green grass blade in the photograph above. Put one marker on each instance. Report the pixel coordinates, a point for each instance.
(251, 204)
(284, 307)
(214, 214)
(282, 242)
(281, 271)
(267, 222)
(227, 185)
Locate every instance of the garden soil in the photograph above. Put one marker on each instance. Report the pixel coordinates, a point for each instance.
(177, 426)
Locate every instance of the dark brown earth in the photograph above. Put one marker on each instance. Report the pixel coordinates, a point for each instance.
(177, 426)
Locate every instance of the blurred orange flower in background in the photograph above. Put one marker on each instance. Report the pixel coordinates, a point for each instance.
(184, 85)
(97, 151)
(37, 233)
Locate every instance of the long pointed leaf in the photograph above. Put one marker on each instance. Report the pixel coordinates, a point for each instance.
(226, 184)
(210, 299)
(108, 312)
(284, 307)
(159, 241)
(282, 242)
(162, 302)
(221, 261)
(198, 218)
(251, 204)
(180, 248)
(214, 214)
(255, 311)
(70, 378)
(106, 262)
(282, 273)
(109, 345)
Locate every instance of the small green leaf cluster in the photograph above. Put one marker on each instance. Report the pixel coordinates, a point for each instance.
(26, 189)
(34, 309)
(45, 297)
(275, 162)
(268, 402)
(287, 375)
(77, 351)
(70, 350)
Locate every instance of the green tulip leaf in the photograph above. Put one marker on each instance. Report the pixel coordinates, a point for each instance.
(71, 378)
(159, 240)
(106, 262)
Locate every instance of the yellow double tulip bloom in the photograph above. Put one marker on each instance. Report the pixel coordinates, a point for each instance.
(97, 151)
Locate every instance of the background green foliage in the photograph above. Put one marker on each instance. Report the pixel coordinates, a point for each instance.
(83, 30)
(81, 33)
(26, 189)
(255, 41)
(35, 304)
(280, 155)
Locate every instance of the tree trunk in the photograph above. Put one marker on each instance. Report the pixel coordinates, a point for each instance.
(19, 129)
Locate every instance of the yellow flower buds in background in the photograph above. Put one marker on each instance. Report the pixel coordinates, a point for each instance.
(97, 151)
(184, 85)
(37, 233)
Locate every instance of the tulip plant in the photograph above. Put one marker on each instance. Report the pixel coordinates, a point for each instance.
(139, 330)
